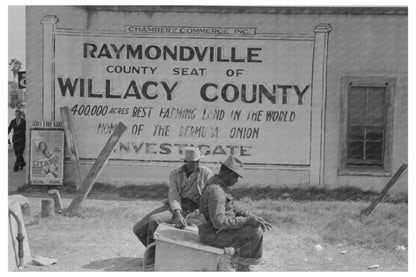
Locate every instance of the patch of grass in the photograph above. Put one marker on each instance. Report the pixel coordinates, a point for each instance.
(159, 191)
(156, 191)
(78, 214)
(332, 215)
(385, 228)
(64, 189)
(338, 222)
(329, 222)
(397, 198)
(286, 219)
(305, 193)
(31, 221)
(376, 231)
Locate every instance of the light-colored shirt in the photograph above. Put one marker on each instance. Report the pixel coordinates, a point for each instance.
(181, 186)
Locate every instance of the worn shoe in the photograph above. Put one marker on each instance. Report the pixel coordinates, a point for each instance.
(242, 267)
(227, 263)
(149, 257)
(149, 267)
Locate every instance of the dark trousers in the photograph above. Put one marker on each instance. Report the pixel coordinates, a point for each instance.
(248, 239)
(18, 151)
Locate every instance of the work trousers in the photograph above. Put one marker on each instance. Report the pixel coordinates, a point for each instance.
(247, 240)
(145, 228)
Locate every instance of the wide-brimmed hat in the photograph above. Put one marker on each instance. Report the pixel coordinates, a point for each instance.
(192, 154)
(234, 164)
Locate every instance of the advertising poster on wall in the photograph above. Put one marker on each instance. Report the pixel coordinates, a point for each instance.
(46, 157)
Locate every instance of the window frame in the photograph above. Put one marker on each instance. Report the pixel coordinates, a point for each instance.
(367, 81)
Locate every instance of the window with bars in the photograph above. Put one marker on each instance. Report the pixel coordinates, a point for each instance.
(366, 121)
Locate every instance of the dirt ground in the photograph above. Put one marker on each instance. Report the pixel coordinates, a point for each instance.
(103, 241)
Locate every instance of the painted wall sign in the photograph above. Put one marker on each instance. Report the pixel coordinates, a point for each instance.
(186, 30)
(247, 95)
(47, 124)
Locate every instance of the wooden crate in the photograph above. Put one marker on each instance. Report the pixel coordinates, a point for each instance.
(181, 250)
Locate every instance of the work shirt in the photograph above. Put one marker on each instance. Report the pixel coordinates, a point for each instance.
(183, 187)
(217, 205)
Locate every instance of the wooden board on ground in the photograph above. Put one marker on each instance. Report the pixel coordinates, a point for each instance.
(386, 188)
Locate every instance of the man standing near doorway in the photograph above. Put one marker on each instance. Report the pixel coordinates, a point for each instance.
(19, 139)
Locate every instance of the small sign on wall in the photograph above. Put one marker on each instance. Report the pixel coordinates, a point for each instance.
(21, 77)
(46, 156)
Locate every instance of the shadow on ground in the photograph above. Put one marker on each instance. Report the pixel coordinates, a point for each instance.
(116, 264)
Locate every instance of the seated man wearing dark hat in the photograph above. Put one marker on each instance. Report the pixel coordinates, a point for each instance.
(185, 187)
(226, 224)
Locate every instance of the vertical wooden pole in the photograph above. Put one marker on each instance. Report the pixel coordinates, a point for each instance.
(72, 145)
(97, 167)
(48, 94)
(319, 90)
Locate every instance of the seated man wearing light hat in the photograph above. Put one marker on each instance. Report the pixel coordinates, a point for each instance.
(185, 187)
(226, 224)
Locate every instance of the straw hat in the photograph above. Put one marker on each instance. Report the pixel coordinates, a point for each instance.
(234, 164)
(192, 154)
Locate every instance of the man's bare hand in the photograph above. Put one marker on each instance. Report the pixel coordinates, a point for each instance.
(257, 221)
(264, 225)
(178, 219)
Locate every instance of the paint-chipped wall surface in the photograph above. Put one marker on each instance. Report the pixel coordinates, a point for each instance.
(312, 96)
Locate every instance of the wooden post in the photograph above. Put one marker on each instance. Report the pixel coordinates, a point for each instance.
(72, 145)
(47, 207)
(54, 194)
(48, 69)
(389, 184)
(97, 167)
(318, 114)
